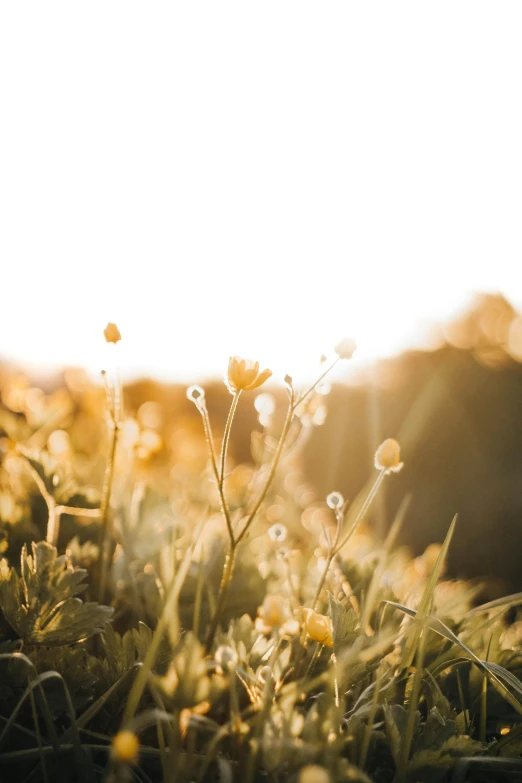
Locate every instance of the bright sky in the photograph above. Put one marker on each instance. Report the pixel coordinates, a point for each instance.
(253, 178)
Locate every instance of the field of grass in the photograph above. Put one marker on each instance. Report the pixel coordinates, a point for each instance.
(170, 615)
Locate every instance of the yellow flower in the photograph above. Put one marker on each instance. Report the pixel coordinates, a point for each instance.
(125, 747)
(388, 456)
(318, 627)
(112, 333)
(244, 375)
(314, 774)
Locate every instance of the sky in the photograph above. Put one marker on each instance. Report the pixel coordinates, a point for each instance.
(253, 178)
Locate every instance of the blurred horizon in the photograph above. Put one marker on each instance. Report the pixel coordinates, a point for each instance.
(253, 180)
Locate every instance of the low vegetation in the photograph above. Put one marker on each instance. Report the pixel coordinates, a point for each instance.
(168, 615)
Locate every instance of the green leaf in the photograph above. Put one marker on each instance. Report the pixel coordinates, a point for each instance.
(426, 600)
(345, 623)
(41, 605)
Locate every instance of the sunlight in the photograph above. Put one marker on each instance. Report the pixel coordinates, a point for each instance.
(259, 205)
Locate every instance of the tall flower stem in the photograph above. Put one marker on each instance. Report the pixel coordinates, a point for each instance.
(362, 511)
(236, 538)
(213, 461)
(226, 439)
(318, 381)
(230, 561)
(226, 579)
(106, 518)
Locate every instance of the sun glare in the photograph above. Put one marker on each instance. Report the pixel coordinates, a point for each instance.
(262, 194)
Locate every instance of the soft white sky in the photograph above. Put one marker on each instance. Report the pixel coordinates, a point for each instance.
(255, 178)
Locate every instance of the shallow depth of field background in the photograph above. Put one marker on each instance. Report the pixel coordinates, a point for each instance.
(262, 181)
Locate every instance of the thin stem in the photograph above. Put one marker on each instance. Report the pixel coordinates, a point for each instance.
(367, 736)
(275, 463)
(213, 461)
(226, 578)
(105, 509)
(332, 550)
(54, 510)
(312, 387)
(362, 511)
(322, 579)
(168, 615)
(226, 438)
(414, 700)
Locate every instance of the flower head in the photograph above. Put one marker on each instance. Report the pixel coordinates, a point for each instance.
(346, 348)
(388, 456)
(318, 627)
(244, 375)
(112, 333)
(125, 747)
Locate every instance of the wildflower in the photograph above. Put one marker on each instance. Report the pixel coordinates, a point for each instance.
(244, 375)
(278, 532)
(346, 348)
(272, 613)
(388, 456)
(112, 333)
(125, 747)
(314, 774)
(335, 500)
(226, 658)
(318, 627)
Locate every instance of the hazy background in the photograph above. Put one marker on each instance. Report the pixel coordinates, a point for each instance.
(264, 179)
(253, 178)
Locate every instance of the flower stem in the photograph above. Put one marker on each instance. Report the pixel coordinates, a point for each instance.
(312, 387)
(213, 462)
(275, 463)
(226, 438)
(226, 578)
(105, 510)
(362, 511)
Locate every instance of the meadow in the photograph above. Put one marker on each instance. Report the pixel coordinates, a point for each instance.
(169, 613)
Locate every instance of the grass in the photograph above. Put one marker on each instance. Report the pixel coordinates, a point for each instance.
(221, 628)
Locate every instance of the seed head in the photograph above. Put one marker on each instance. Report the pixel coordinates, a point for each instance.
(388, 456)
(244, 375)
(335, 500)
(125, 747)
(112, 333)
(278, 532)
(196, 395)
(346, 348)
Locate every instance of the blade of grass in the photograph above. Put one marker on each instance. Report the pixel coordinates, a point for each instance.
(507, 602)
(168, 615)
(496, 674)
(412, 709)
(369, 603)
(426, 600)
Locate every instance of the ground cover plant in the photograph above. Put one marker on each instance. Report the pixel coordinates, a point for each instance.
(170, 615)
